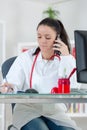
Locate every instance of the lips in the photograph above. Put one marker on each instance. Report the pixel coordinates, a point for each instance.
(43, 46)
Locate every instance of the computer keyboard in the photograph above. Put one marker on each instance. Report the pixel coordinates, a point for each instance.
(79, 91)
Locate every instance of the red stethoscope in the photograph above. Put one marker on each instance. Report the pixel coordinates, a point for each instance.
(33, 65)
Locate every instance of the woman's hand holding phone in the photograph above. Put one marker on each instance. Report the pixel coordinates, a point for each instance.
(60, 47)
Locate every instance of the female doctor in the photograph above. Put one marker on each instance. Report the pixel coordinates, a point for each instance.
(40, 68)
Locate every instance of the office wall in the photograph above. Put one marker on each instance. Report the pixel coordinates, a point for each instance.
(22, 17)
(73, 13)
(8, 14)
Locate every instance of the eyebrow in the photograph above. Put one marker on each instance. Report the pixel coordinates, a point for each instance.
(45, 34)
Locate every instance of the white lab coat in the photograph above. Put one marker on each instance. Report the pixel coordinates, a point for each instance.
(45, 77)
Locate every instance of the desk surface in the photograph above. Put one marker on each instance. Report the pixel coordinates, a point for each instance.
(74, 97)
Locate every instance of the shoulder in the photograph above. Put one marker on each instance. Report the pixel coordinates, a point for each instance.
(68, 57)
(25, 57)
(68, 60)
(27, 54)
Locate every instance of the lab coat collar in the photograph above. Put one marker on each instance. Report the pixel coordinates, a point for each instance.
(39, 58)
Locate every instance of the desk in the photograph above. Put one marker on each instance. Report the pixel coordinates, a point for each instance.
(73, 97)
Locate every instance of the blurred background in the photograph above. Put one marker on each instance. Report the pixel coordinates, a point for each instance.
(20, 19)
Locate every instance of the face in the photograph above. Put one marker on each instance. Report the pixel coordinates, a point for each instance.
(46, 37)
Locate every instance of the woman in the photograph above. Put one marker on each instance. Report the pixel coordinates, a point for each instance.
(40, 68)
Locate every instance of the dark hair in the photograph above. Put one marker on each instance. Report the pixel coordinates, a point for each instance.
(58, 27)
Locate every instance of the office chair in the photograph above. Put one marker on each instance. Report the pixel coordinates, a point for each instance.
(6, 66)
(4, 69)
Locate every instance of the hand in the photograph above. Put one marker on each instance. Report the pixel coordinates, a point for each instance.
(61, 46)
(6, 87)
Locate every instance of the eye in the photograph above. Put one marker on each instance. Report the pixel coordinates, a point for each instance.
(48, 38)
(39, 37)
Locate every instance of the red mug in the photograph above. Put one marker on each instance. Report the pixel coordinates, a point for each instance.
(63, 85)
(54, 90)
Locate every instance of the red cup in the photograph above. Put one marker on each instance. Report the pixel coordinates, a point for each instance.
(63, 85)
(54, 90)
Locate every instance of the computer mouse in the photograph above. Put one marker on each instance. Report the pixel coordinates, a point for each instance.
(31, 91)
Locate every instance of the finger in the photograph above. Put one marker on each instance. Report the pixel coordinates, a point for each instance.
(60, 42)
(3, 90)
(57, 49)
(57, 45)
(5, 85)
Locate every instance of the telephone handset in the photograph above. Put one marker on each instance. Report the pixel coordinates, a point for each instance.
(56, 51)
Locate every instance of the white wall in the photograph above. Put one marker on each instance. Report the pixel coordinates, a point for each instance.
(74, 15)
(8, 13)
(22, 17)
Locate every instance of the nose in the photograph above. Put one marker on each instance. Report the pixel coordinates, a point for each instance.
(43, 40)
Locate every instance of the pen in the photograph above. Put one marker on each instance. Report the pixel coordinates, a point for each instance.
(9, 88)
(6, 79)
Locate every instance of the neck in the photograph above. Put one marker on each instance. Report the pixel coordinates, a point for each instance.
(47, 56)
